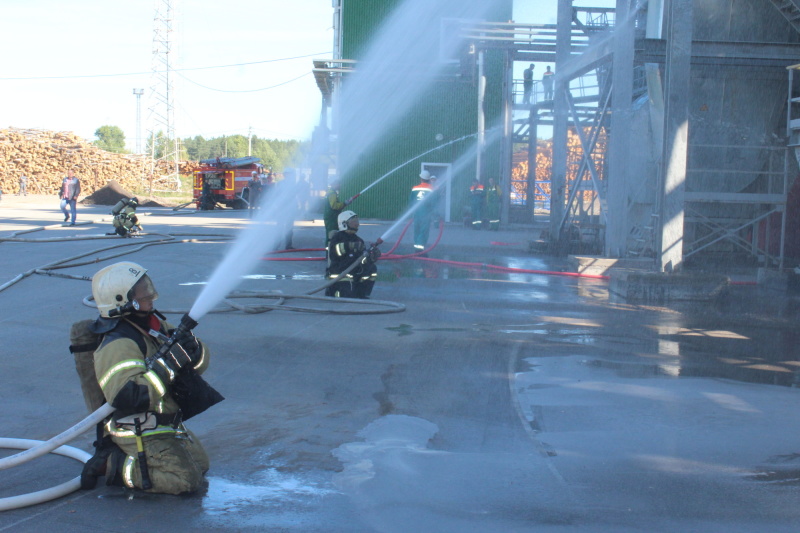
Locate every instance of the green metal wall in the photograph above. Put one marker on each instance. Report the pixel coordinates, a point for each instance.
(449, 107)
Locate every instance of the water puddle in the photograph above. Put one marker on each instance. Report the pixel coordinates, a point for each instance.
(274, 489)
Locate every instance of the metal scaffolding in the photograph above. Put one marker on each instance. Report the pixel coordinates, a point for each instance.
(163, 143)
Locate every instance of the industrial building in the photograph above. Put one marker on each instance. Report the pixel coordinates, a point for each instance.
(672, 121)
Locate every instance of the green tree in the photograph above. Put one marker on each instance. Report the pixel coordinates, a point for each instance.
(273, 153)
(110, 139)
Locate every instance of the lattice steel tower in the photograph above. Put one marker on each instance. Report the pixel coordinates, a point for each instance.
(161, 137)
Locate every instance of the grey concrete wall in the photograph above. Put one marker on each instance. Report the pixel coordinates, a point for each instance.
(731, 107)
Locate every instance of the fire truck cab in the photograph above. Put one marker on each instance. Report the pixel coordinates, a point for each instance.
(224, 181)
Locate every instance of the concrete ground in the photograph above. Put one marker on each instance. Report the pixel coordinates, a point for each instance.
(496, 401)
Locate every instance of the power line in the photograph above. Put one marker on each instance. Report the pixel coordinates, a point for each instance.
(150, 72)
(244, 90)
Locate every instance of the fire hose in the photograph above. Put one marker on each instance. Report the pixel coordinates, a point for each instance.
(34, 449)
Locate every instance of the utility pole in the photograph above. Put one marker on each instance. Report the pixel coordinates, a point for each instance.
(249, 140)
(138, 93)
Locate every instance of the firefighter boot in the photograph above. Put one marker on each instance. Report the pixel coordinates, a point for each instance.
(108, 457)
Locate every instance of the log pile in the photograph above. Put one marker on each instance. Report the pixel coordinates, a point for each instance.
(45, 156)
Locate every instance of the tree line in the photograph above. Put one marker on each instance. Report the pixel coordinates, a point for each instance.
(274, 153)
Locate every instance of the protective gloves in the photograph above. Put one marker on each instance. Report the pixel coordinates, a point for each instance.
(186, 352)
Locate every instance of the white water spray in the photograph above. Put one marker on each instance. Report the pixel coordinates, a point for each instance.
(392, 79)
(423, 154)
(263, 233)
(467, 158)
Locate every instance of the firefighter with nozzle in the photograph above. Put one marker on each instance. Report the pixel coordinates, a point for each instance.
(334, 206)
(346, 250)
(423, 209)
(149, 371)
(125, 221)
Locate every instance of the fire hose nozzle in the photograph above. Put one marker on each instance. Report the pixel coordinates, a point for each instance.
(188, 322)
(186, 325)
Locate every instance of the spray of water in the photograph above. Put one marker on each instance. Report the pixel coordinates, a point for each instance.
(263, 233)
(388, 82)
(409, 51)
(466, 159)
(423, 154)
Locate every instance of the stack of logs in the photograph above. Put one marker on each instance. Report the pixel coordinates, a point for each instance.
(46, 156)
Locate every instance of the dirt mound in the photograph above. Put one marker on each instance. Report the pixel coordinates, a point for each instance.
(109, 194)
(113, 192)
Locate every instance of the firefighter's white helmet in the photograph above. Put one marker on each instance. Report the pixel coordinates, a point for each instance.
(425, 175)
(344, 216)
(112, 286)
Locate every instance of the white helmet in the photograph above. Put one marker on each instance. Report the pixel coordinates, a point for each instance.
(425, 175)
(344, 216)
(111, 286)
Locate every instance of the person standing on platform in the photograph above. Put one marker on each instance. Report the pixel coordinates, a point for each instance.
(547, 83)
(527, 84)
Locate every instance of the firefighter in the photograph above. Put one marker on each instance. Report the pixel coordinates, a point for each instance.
(477, 197)
(422, 212)
(144, 444)
(255, 189)
(345, 248)
(493, 200)
(333, 207)
(125, 221)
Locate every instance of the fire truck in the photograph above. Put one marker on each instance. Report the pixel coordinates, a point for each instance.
(223, 181)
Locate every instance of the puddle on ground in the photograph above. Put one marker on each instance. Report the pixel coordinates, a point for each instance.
(225, 496)
(463, 267)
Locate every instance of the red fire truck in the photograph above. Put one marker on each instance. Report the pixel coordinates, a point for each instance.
(224, 180)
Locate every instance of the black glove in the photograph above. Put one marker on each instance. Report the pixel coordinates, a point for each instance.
(177, 358)
(374, 253)
(189, 343)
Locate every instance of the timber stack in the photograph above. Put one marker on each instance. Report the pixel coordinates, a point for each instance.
(46, 156)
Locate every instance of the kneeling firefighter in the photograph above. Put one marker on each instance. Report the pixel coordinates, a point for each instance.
(125, 220)
(144, 444)
(346, 248)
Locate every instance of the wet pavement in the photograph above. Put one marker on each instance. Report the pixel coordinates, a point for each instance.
(494, 402)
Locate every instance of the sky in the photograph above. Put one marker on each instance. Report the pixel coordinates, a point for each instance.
(242, 66)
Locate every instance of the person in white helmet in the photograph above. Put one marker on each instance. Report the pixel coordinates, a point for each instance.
(344, 249)
(144, 444)
(422, 211)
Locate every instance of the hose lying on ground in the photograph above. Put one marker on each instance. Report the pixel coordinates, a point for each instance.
(34, 449)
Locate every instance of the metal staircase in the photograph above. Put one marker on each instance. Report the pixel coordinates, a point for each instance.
(790, 9)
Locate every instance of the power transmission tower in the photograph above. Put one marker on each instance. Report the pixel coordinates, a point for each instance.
(162, 139)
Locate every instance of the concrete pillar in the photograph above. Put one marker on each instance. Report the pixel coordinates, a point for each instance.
(618, 181)
(678, 33)
(558, 176)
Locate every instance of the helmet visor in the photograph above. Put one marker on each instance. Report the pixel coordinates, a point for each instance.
(143, 291)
